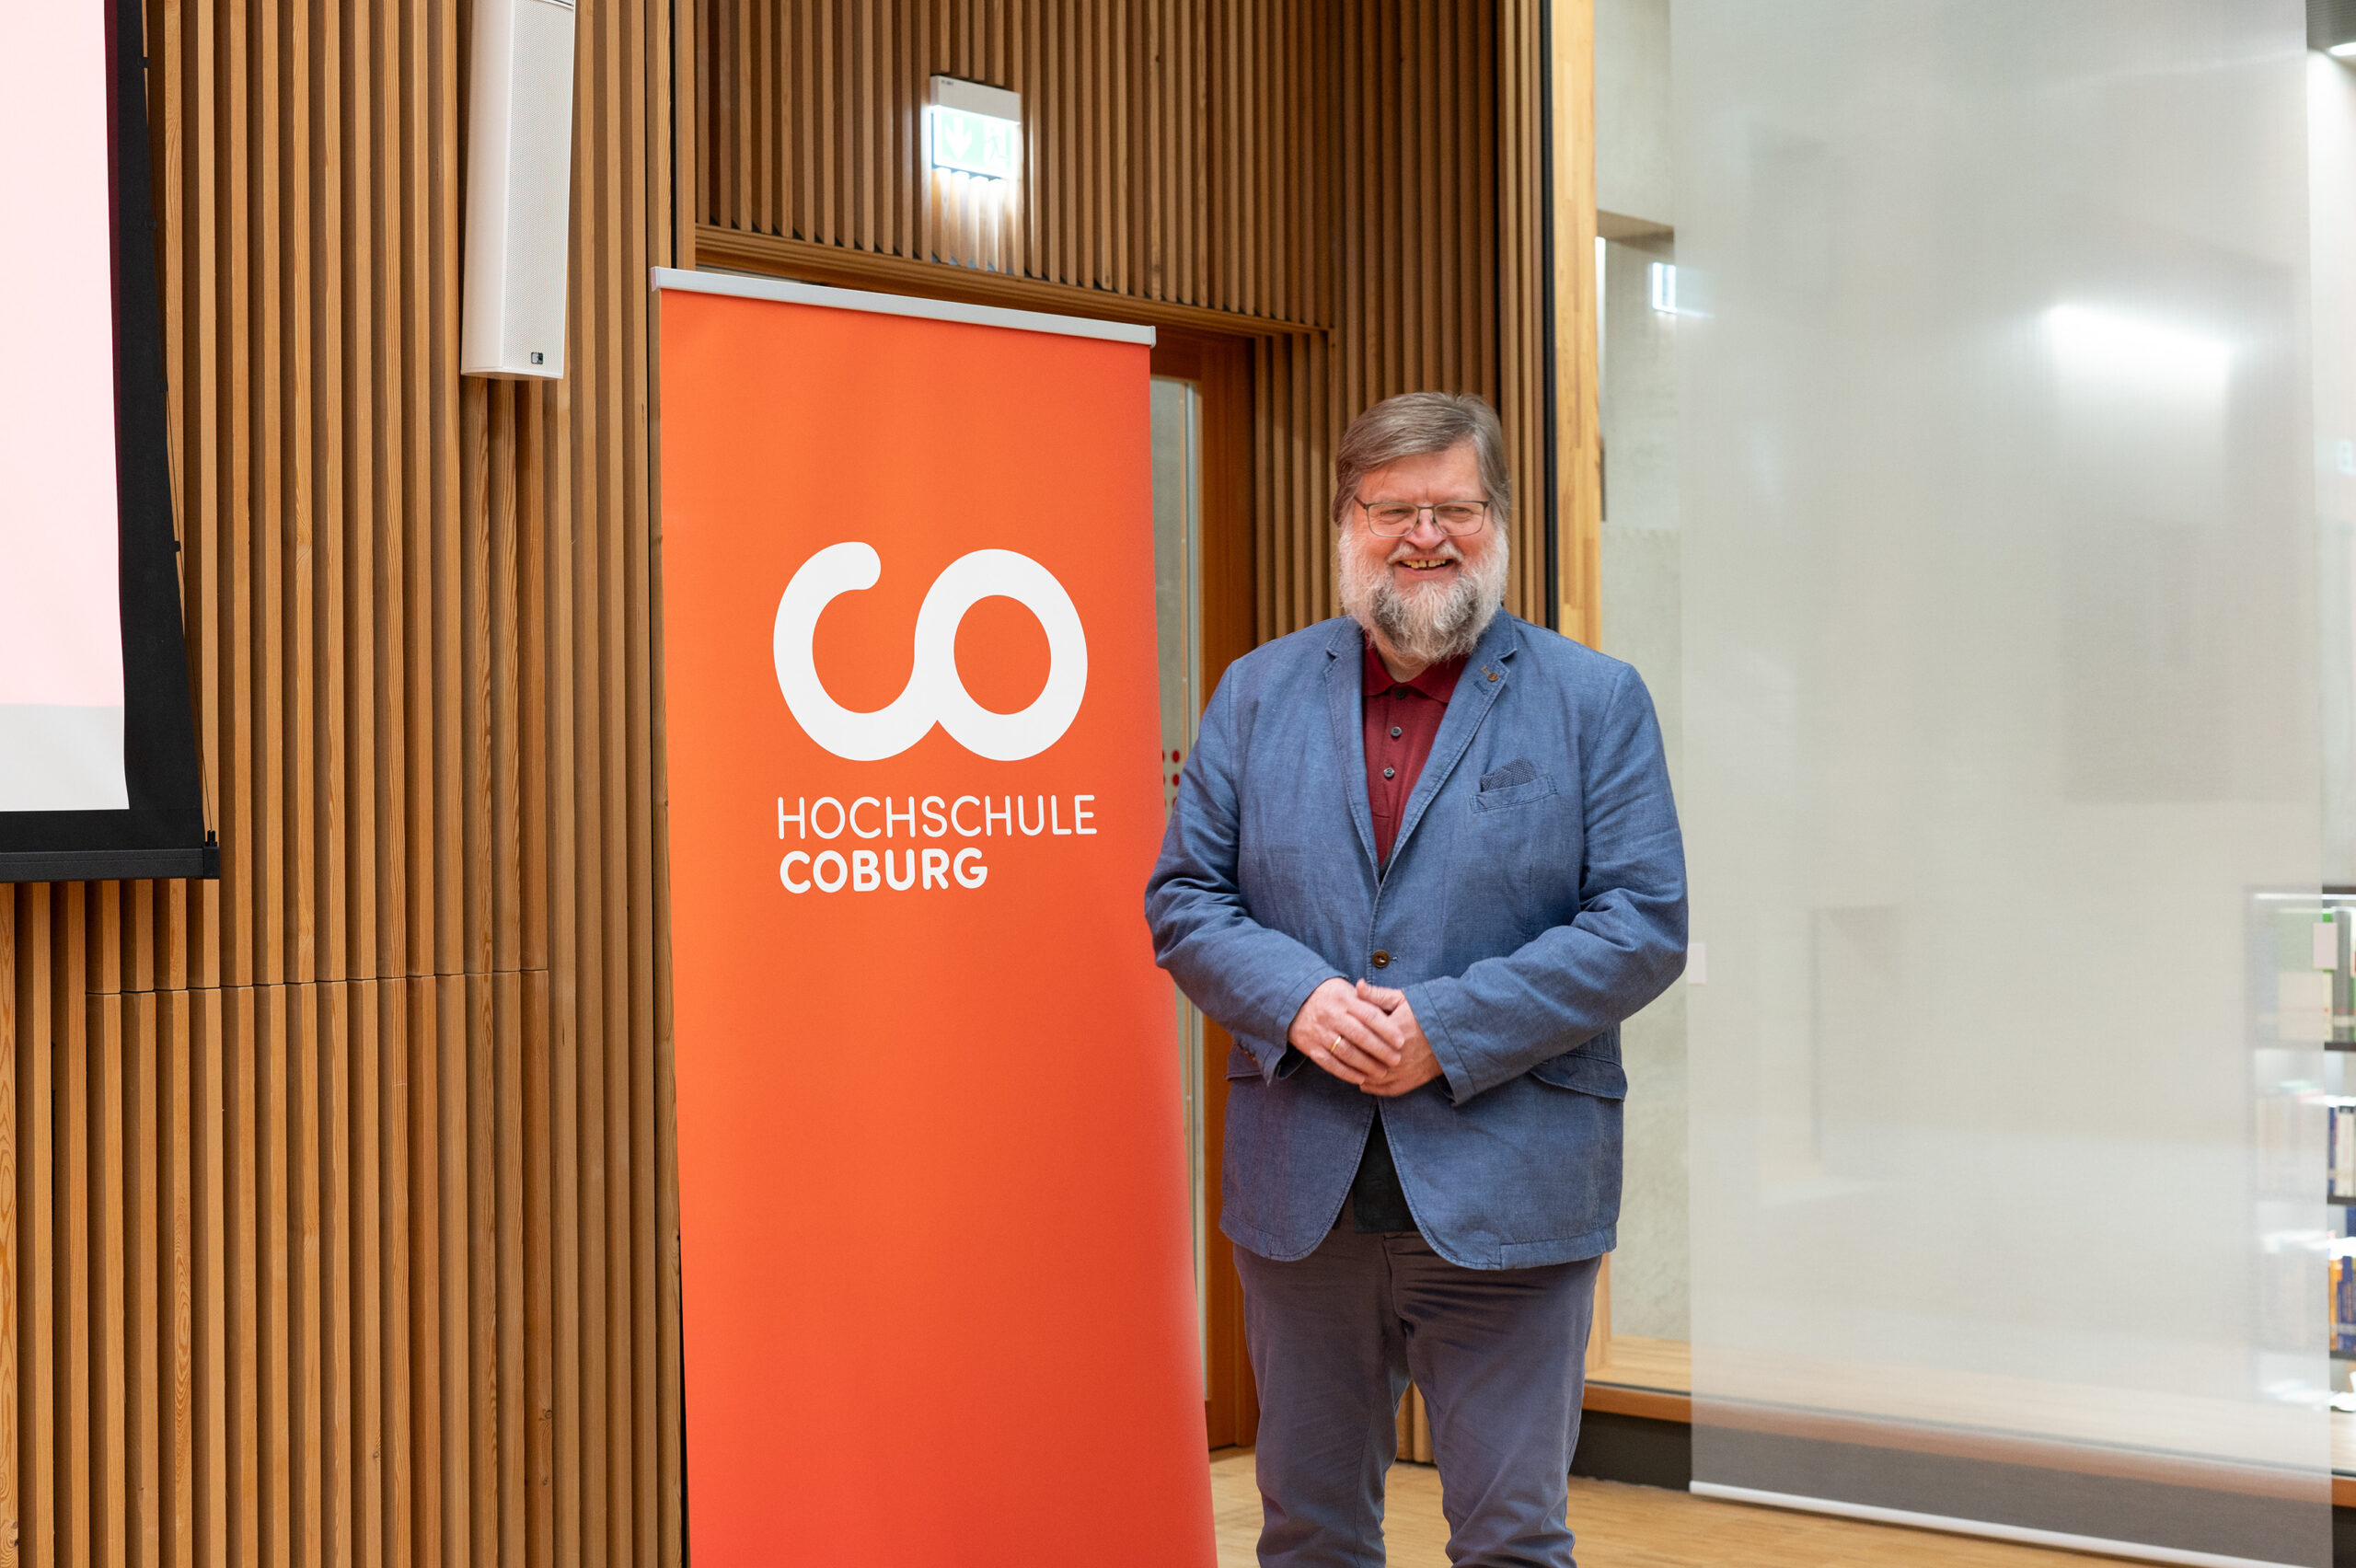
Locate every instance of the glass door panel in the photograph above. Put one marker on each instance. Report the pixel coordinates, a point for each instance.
(1177, 598)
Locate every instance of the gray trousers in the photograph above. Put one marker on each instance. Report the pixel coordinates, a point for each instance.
(1498, 1353)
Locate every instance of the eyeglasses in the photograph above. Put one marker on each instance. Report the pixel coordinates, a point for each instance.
(1393, 519)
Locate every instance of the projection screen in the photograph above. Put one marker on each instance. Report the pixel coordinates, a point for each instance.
(98, 762)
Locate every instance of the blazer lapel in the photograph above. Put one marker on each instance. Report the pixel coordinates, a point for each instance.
(1484, 678)
(1345, 702)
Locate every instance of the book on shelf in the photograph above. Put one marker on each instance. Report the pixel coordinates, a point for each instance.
(2340, 1153)
(2343, 1304)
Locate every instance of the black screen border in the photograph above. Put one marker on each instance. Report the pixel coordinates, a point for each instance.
(162, 832)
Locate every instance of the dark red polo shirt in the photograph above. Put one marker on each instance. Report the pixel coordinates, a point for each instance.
(1401, 720)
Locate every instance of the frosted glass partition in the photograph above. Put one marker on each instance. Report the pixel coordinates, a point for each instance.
(2001, 766)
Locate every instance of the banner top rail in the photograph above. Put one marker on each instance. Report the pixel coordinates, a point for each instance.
(745, 286)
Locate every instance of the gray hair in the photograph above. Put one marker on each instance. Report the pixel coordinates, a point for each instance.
(1414, 423)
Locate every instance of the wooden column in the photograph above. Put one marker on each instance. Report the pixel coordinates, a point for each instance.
(1578, 432)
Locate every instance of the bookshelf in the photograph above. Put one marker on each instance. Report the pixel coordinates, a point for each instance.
(2304, 977)
(2313, 1004)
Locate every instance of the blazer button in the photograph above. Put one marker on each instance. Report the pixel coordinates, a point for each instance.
(1381, 959)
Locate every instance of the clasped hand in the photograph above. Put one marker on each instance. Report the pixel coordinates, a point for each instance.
(1365, 1035)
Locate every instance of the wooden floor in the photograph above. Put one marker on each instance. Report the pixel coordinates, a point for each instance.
(1643, 1526)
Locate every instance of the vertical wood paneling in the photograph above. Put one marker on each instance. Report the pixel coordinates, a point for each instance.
(288, 1169)
(1519, 301)
(298, 1382)
(1369, 174)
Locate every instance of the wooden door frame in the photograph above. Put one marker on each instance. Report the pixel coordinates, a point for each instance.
(1219, 365)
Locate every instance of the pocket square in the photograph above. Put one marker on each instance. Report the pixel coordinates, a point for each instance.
(1521, 771)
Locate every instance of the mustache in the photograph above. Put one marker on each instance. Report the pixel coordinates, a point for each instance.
(1447, 550)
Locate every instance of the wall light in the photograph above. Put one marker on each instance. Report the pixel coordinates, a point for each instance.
(972, 129)
(2331, 27)
(2136, 349)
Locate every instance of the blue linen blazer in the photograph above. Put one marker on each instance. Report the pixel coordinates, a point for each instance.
(1534, 899)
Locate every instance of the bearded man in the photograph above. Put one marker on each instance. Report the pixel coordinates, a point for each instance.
(1423, 862)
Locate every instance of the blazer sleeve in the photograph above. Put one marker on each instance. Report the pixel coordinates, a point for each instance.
(1506, 1015)
(1252, 979)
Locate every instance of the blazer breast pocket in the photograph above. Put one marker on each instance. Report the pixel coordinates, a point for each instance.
(1524, 835)
(1517, 783)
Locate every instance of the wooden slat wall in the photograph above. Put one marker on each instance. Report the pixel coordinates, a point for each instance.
(1439, 201)
(337, 1192)
(810, 128)
(1355, 185)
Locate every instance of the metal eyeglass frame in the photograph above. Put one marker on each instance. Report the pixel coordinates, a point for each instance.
(1433, 507)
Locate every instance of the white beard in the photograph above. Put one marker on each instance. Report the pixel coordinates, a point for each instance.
(1429, 624)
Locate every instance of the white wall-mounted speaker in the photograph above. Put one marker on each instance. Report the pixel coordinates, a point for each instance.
(519, 189)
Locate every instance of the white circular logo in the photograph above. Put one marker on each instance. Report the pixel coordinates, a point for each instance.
(934, 693)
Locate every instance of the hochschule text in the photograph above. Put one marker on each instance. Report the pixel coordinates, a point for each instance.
(918, 867)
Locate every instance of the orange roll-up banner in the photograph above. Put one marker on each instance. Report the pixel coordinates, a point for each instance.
(936, 1255)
